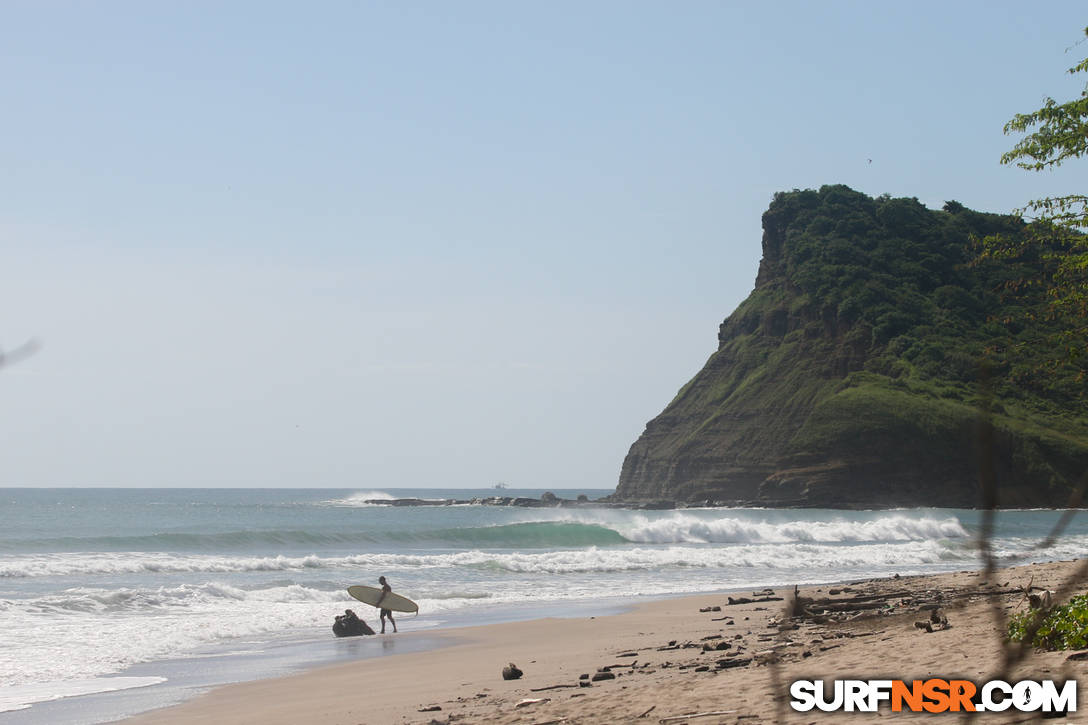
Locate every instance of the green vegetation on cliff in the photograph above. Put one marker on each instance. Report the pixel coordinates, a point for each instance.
(852, 373)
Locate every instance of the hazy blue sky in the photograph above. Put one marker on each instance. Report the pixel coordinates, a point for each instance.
(442, 244)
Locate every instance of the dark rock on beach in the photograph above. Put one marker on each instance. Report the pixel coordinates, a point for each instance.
(349, 625)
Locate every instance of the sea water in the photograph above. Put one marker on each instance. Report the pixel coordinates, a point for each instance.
(141, 591)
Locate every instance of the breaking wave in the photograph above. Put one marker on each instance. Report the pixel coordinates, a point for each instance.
(138, 554)
(357, 500)
(688, 528)
(588, 559)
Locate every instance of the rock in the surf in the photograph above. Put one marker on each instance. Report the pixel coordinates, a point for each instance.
(348, 624)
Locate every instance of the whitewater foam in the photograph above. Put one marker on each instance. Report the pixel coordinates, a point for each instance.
(750, 526)
(360, 499)
(20, 697)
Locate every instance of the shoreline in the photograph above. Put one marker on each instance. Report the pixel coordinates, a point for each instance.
(174, 681)
(659, 653)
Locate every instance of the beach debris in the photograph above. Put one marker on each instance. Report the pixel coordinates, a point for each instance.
(531, 701)
(511, 672)
(1077, 656)
(766, 656)
(602, 675)
(693, 715)
(632, 664)
(937, 620)
(647, 712)
(583, 676)
(628, 654)
(758, 598)
(585, 683)
(430, 708)
(550, 687)
(734, 662)
(1042, 601)
(704, 610)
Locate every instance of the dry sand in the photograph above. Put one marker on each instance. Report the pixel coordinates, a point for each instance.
(656, 680)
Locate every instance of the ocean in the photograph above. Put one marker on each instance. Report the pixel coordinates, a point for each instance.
(114, 601)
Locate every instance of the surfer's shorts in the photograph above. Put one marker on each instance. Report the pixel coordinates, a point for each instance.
(386, 613)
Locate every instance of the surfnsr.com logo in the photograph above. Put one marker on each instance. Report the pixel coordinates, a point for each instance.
(934, 695)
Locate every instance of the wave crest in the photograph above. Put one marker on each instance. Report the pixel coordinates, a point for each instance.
(687, 528)
(360, 499)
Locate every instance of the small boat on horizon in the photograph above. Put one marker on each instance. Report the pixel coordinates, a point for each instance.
(500, 485)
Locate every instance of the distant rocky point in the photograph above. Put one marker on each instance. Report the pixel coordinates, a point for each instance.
(547, 500)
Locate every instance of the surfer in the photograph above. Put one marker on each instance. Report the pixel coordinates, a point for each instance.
(386, 590)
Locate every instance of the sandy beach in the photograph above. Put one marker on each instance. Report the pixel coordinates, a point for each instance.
(676, 660)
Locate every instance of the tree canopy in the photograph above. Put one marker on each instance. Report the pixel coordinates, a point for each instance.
(899, 277)
(1055, 242)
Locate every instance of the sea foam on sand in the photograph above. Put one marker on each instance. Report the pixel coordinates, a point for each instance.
(19, 697)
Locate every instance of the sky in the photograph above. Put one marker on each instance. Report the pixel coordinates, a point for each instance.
(443, 244)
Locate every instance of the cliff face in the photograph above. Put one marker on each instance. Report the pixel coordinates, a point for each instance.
(850, 375)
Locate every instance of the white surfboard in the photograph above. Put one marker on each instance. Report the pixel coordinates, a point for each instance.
(392, 602)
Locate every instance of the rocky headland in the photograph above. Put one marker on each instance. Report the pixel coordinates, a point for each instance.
(856, 372)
